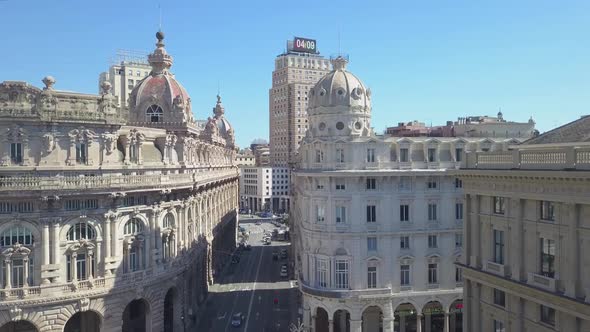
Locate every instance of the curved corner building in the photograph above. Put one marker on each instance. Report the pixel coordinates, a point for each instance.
(111, 219)
(377, 218)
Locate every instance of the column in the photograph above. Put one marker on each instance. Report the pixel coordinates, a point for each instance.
(330, 325)
(306, 316)
(475, 309)
(419, 322)
(467, 303)
(26, 272)
(98, 261)
(56, 253)
(517, 241)
(446, 326)
(107, 245)
(467, 230)
(89, 257)
(572, 248)
(147, 244)
(74, 267)
(8, 272)
(388, 324)
(356, 325)
(46, 249)
(476, 234)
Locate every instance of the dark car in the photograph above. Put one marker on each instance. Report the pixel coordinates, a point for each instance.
(236, 319)
(284, 254)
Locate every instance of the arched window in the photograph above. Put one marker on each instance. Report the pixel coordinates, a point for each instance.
(132, 227)
(154, 113)
(81, 231)
(134, 246)
(168, 221)
(19, 263)
(17, 234)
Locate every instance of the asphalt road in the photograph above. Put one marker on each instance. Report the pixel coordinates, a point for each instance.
(251, 286)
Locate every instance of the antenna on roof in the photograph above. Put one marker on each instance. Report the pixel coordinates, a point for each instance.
(160, 9)
(339, 52)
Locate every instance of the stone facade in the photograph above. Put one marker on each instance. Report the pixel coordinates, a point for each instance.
(112, 219)
(377, 219)
(527, 233)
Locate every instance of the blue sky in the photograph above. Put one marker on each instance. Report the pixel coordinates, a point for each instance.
(423, 60)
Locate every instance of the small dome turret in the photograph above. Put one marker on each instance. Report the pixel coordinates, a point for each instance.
(339, 104)
(160, 97)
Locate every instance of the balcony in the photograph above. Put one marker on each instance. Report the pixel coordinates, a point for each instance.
(345, 293)
(541, 281)
(114, 182)
(497, 269)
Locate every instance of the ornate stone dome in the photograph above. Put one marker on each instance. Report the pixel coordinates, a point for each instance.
(160, 97)
(340, 88)
(339, 104)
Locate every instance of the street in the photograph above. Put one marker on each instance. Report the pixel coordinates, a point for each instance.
(254, 288)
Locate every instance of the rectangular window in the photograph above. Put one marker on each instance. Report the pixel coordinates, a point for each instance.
(547, 257)
(458, 240)
(339, 155)
(458, 183)
(404, 155)
(341, 274)
(404, 212)
(499, 326)
(547, 210)
(499, 205)
(319, 185)
(372, 243)
(340, 214)
(405, 184)
(320, 213)
(431, 155)
(404, 275)
(498, 246)
(458, 154)
(547, 315)
(432, 273)
(322, 273)
(404, 242)
(432, 184)
(371, 213)
(370, 155)
(16, 153)
(81, 151)
(432, 212)
(372, 277)
(371, 184)
(319, 156)
(499, 297)
(340, 184)
(459, 211)
(432, 241)
(458, 274)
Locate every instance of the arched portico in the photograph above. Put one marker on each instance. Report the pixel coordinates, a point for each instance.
(434, 317)
(406, 318)
(137, 316)
(455, 315)
(372, 319)
(321, 320)
(87, 321)
(341, 321)
(19, 326)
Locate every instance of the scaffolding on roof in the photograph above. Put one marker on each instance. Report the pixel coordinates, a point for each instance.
(130, 57)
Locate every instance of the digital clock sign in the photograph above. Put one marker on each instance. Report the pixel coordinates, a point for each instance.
(304, 45)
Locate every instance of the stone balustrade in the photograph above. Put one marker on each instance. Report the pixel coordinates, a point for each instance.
(344, 293)
(111, 181)
(565, 157)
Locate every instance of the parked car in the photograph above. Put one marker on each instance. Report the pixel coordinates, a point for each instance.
(266, 215)
(236, 319)
(284, 254)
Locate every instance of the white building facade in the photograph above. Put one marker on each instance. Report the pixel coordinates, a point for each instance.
(527, 232)
(264, 189)
(377, 219)
(124, 75)
(111, 220)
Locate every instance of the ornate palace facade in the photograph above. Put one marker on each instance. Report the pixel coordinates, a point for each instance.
(377, 218)
(112, 218)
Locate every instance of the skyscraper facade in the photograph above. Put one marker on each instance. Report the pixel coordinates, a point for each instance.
(296, 71)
